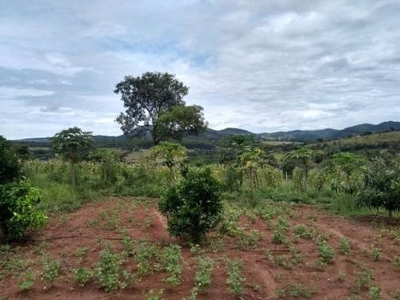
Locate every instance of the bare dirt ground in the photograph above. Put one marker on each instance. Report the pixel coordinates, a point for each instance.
(281, 249)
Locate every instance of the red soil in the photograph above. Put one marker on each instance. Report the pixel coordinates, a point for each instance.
(98, 223)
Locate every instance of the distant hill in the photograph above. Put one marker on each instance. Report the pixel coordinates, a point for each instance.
(330, 134)
(212, 136)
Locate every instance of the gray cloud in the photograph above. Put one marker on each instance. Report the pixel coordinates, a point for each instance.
(259, 65)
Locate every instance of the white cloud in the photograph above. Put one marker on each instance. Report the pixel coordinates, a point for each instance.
(259, 65)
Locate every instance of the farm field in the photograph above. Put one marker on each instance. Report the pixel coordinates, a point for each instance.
(119, 248)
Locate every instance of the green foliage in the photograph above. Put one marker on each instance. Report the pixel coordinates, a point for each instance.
(154, 103)
(295, 290)
(193, 206)
(51, 269)
(344, 246)
(298, 179)
(169, 152)
(83, 275)
(18, 209)
(302, 231)
(204, 271)
(153, 296)
(235, 280)
(26, 280)
(364, 278)
(381, 187)
(326, 253)
(72, 144)
(10, 168)
(110, 273)
(374, 293)
(172, 263)
(108, 160)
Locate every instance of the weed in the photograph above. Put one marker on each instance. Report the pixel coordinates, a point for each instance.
(172, 263)
(326, 253)
(284, 262)
(195, 249)
(143, 255)
(396, 294)
(81, 252)
(235, 280)
(203, 274)
(110, 273)
(51, 269)
(364, 278)
(153, 296)
(83, 275)
(295, 290)
(249, 240)
(341, 276)
(344, 246)
(302, 231)
(374, 293)
(282, 224)
(376, 253)
(397, 261)
(26, 280)
(278, 237)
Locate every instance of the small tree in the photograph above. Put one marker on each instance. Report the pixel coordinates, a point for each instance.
(381, 188)
(250, 160)
(109, 164)
(72, 144)
(194, 206)
(169, 152)
(303, 158)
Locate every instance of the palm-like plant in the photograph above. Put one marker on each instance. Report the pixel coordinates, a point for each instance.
(72, 144)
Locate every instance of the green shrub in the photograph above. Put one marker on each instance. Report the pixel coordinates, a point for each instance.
(10, 168)
(18, 209)
(193, 206)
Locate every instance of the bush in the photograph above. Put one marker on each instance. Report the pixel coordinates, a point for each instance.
(10, 168)
(193, 206)
(381, 188)
(18, 210)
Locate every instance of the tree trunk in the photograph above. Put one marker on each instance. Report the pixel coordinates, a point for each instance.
(73, 174)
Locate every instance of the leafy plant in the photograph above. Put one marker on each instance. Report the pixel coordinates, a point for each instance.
(153, 296)
(344, 246)
(374, 293)
(83, 275)
(235, 280)
(381, 187)
(326, 253)
(143, 255)
(72, 144)
(109, 272)
(397, 261)
(51, 269)
(26, 280)
(172, 263)
(295, 290)
(18, 209)
(193, 206)
(364, 278)
(203, 274)
(376, 253)
(302, 231)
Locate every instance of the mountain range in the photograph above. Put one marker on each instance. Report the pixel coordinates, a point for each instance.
(293, 136)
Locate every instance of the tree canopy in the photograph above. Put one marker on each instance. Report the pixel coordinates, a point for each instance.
(154, 103)
(72, 144)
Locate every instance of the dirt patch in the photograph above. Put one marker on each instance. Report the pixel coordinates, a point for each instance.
(279, 246)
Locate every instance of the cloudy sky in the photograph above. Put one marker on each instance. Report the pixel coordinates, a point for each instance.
(254, 64)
